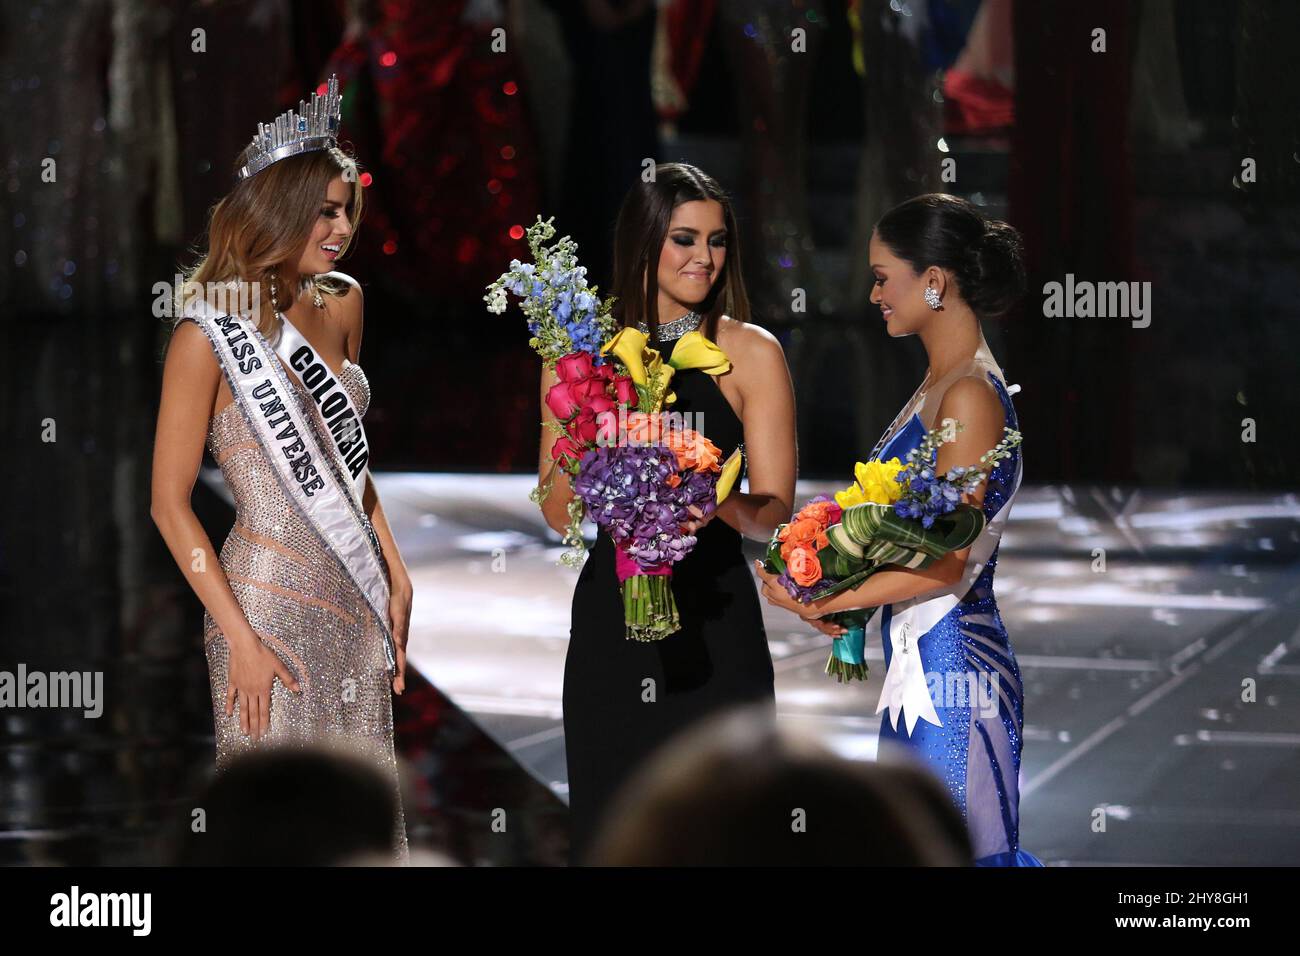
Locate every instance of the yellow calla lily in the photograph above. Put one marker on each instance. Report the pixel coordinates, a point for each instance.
(694, 350)
(647, 368)
(730, 472)
(628, 346)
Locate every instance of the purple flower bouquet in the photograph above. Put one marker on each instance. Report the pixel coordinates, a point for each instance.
(641, 494)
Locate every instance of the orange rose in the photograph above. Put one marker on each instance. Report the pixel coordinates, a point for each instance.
(802, 533)
(804, 529)
(642, 429)
(819, 511)
(693, 450)
(804, 567)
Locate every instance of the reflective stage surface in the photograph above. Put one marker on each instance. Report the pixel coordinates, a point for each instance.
(1156, 633)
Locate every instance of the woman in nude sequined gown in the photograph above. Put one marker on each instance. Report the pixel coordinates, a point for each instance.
(296, 654)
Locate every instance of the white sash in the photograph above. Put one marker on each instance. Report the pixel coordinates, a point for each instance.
(340, 415)
(311, 478)
(906, 689)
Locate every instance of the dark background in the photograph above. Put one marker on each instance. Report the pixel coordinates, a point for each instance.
(1120, 166)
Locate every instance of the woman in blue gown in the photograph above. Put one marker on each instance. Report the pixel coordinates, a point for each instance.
(951, 675)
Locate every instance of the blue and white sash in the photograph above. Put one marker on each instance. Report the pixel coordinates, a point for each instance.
(906, 690)
(337, 410)
(311, 474)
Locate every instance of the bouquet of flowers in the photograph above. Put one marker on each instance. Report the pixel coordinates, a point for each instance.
(638, 472)
(894, 513)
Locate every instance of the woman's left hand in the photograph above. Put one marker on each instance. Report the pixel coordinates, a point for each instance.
(778, 596)
(692, 527)
(399, 619)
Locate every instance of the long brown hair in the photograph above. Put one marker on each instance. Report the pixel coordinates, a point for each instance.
(639, 239)
(258, 230)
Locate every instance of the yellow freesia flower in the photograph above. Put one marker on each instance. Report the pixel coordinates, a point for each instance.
(877, 483)
(879, 480)
(850, 496)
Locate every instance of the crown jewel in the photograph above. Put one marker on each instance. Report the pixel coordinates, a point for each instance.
(311, 126)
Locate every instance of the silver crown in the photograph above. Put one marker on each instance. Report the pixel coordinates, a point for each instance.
(311, 126)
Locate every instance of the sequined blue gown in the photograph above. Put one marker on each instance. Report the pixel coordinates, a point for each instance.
(970, 670)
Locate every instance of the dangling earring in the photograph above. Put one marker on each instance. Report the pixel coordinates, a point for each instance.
(932, 298)
(275, 295)
(316, 296)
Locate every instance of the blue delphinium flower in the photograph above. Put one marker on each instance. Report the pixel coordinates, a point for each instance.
(565, 315)
(927, 496)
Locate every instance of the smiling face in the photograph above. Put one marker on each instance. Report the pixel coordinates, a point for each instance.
(330, 234)
(899, 291)
(692, 257)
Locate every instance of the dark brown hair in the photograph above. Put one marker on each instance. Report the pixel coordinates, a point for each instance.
(639, 238)
(986, 256)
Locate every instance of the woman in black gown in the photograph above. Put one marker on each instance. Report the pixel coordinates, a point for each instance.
(677, 269)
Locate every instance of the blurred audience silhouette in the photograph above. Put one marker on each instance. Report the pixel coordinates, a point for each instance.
(736, 790)
(294, 806)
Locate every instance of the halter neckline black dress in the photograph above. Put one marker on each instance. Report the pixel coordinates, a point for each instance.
(719, 659)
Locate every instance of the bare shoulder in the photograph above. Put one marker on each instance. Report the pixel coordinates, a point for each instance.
(972, 391)
(191, 370)
(348, 309)
(973, 401)
(349, 295)
(190, 347)
(747, 343)
(342, 278)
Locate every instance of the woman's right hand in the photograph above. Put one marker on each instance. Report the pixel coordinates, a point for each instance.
(252, 672)
(827, 627)
(191, 387)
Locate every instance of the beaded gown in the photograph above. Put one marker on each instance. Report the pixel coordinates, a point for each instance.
(303, 605)
(717, 660)
(976, 752)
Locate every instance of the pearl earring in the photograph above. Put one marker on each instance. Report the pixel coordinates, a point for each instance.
(932, 298)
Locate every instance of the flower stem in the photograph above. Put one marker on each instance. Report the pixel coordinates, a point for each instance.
(649, 608)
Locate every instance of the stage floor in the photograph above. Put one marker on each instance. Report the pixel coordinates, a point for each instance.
(1162, 713)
